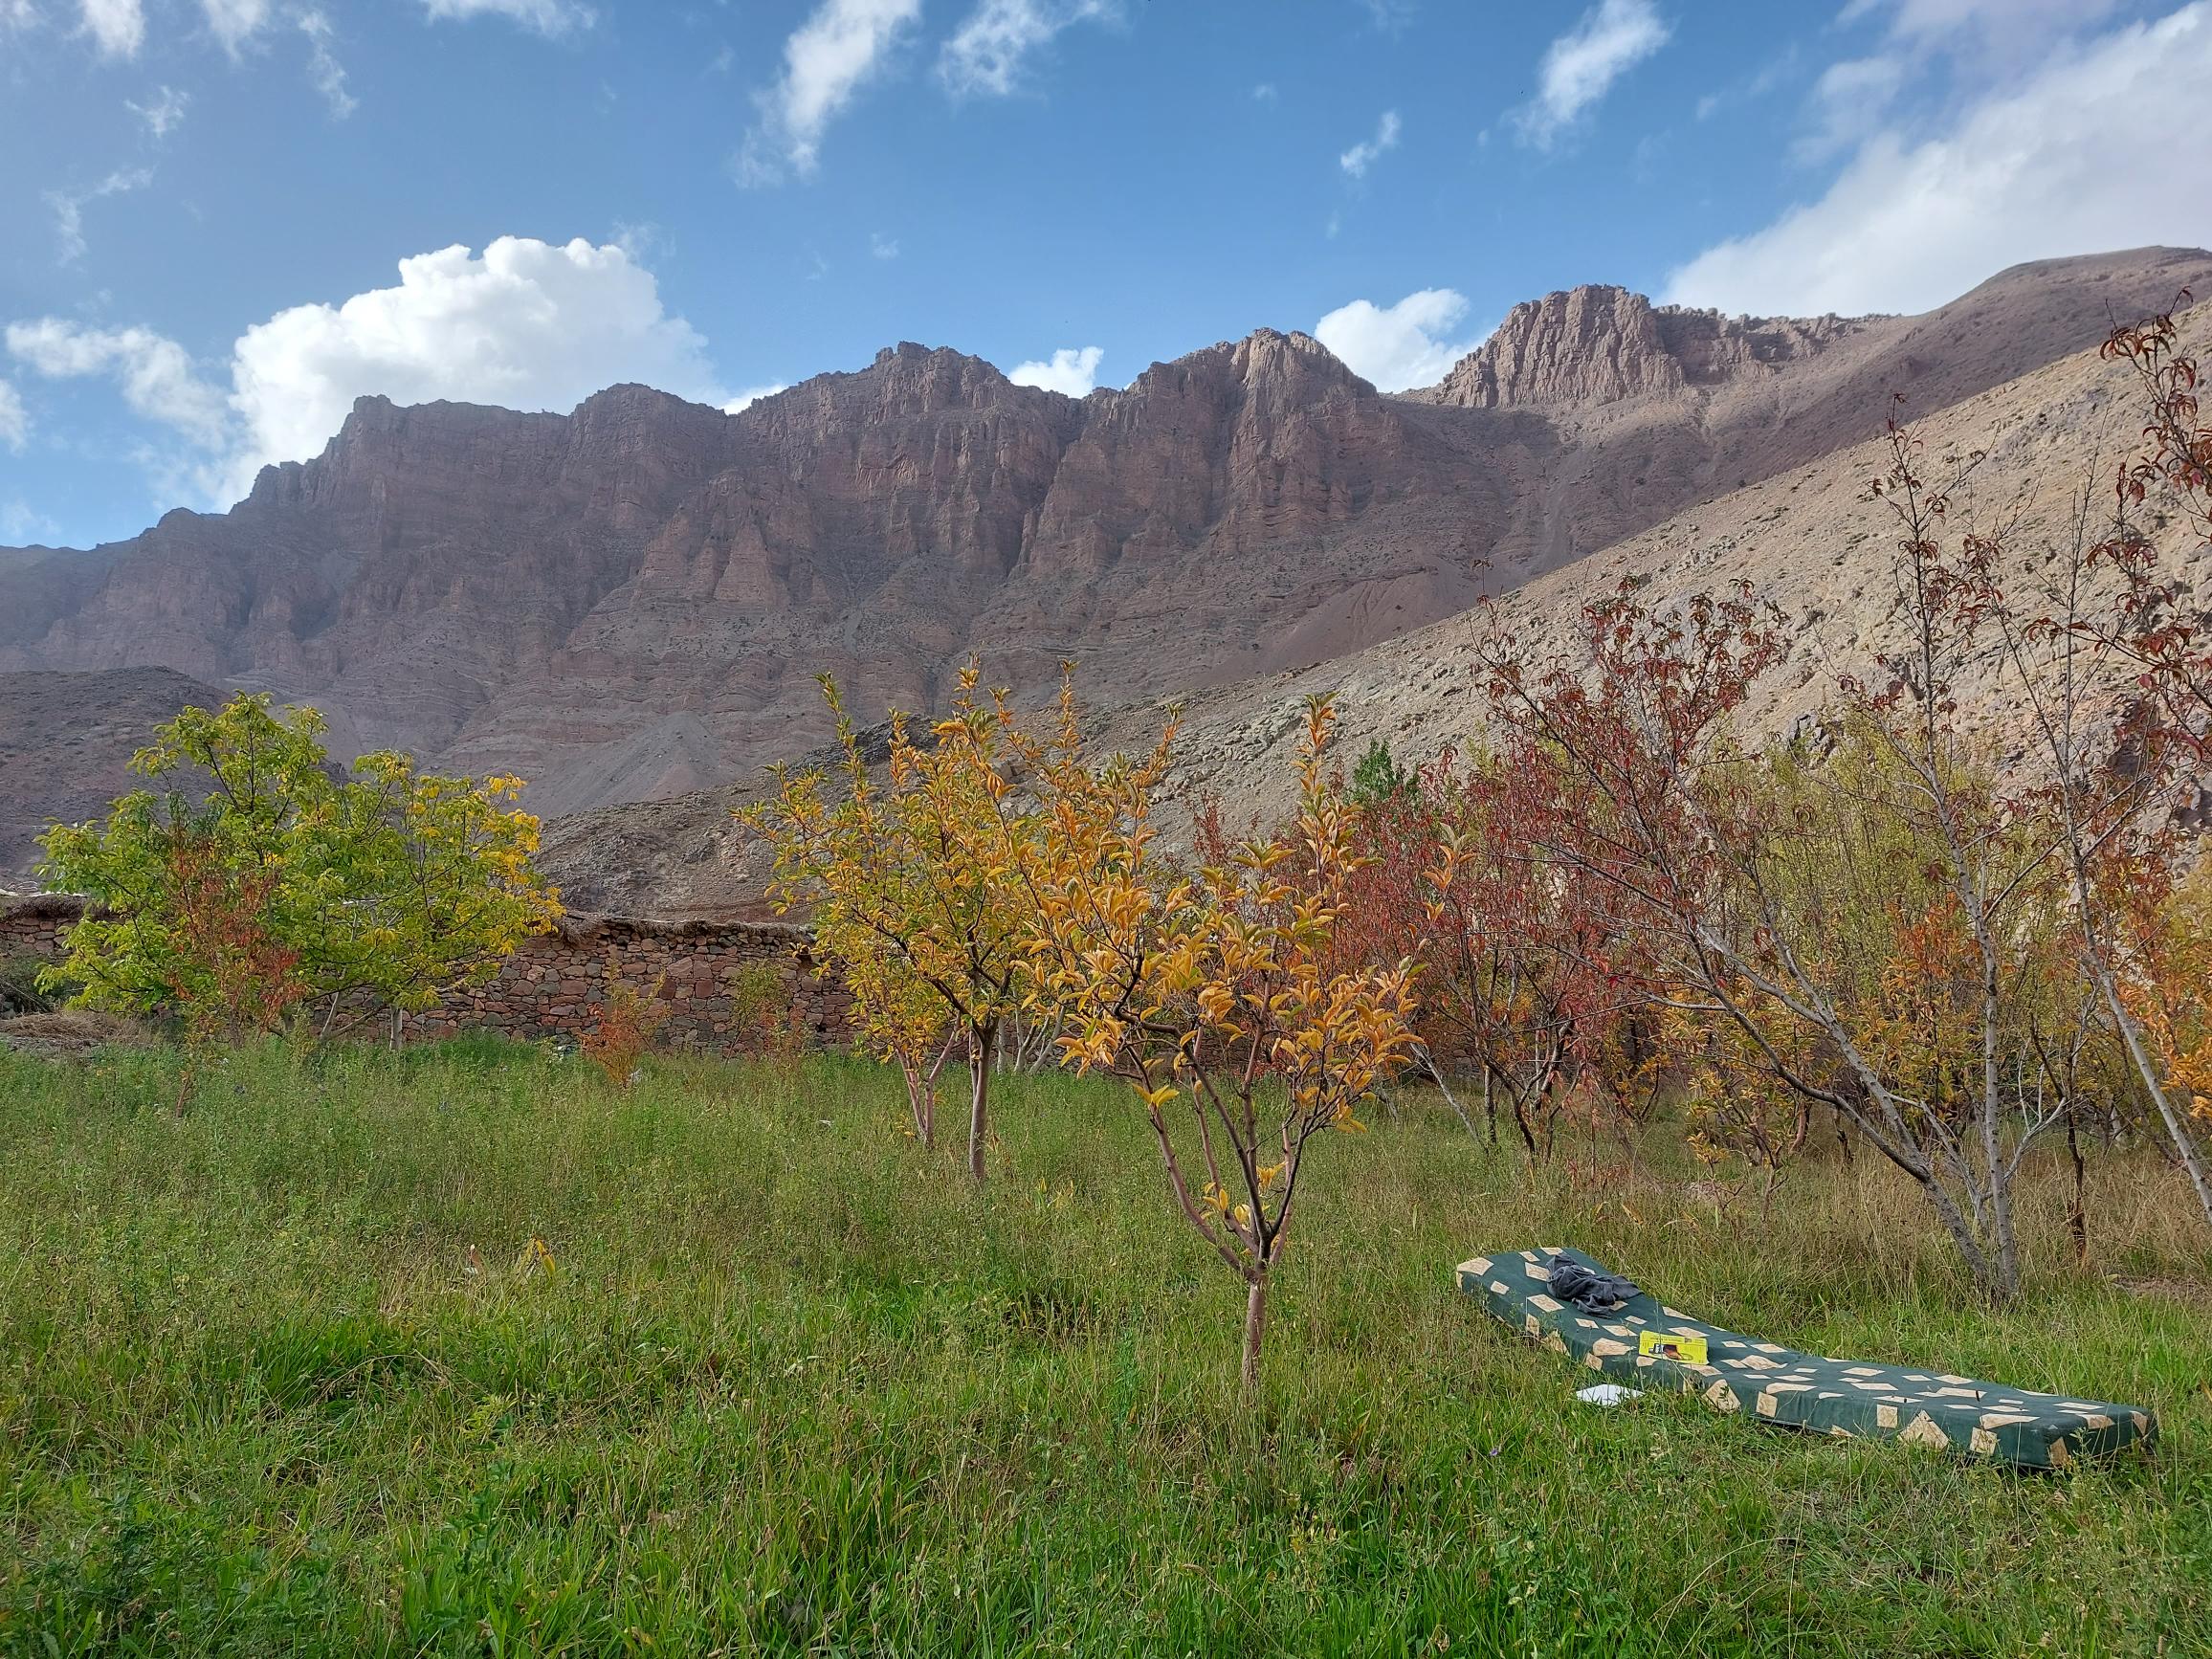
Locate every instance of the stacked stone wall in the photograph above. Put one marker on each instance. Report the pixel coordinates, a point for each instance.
(36, 927)
(724, 984)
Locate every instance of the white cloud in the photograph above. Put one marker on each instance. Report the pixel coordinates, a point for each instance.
(1850, 103)
(116, 27)
(745, 400)
(19, 524)
(827, 60)
(1362, 155)
(1265, 93)
(15, 418)
(882, 247)
(17, 14)
(234, 22)
(1581, 65)
(68, 209)
(2053, 166)
(526, 324)
(1071, 373)
(156, 374)
(325, 72)
(1401, 345)
(546, 16)
(986, 52)
(162, 112)
(2011, 32)
(1391, 16)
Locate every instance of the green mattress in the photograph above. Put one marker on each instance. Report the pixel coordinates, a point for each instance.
(1839, 1397)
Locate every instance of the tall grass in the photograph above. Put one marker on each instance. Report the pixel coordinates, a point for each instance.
(282, 1376)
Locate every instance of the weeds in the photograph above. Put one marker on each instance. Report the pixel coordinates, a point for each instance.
(287, 1376)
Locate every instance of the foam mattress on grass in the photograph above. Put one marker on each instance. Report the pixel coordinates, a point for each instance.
(1839, 1397)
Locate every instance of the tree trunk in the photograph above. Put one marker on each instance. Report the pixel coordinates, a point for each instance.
(2077, 1215)
(978, 1100)
(1435, 1073)
(2177, 1128)
(1255, 1327)
(2007, 1250)
(921, 1101)
(1979, 1267)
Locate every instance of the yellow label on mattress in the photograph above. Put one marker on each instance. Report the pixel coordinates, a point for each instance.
(1671, 1345)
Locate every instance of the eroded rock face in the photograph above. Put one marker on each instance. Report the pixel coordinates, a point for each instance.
(1599, 345)
(631, 600)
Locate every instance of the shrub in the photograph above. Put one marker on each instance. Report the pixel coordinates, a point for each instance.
(627, 1019)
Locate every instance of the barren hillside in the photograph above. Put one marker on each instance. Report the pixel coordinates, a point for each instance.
(1810, 539)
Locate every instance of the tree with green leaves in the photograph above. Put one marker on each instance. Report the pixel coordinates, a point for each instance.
(249, 886)
(1378, 776)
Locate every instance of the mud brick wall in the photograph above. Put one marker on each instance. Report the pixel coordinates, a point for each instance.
(553, 985)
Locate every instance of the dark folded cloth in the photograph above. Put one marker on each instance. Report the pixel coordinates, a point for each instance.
(1588, 1288)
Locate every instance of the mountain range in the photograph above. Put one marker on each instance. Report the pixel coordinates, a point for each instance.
(627, 603)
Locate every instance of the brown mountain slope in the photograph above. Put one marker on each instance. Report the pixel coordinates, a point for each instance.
(630, 601)
(66, 740)
(1810, 539)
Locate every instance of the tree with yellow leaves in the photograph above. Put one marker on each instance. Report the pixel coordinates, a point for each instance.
(910, 888)
(1217, 996)
(2168, 988)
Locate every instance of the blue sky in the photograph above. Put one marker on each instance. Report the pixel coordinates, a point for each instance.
(205, 205)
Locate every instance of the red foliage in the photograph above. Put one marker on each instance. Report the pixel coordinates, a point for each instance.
(231, 974)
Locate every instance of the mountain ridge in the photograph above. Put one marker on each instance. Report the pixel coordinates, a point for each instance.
(630, 600)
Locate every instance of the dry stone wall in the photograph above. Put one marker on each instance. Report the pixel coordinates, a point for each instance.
(35, 927)
(722, 983)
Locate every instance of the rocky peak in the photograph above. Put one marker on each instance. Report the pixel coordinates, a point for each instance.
(1265, 366)
(1598, 343)
(919, 379)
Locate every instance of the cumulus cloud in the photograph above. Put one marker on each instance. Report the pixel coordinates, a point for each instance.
(526, 324)
(15, 418)
(987, 51)
(2052, 165)
(1401, 345)
(1581, 65)
(546, 16)
(1069, 372)
(162, 113)
(839, 49)
(156, 374)
(118, 27)
(1363, 155)
(68, 209)
(745, 400)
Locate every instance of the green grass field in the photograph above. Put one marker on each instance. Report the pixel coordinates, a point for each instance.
(793, 1387)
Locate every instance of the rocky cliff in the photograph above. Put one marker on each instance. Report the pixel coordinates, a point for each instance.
(1599, 345)
(630, 601)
